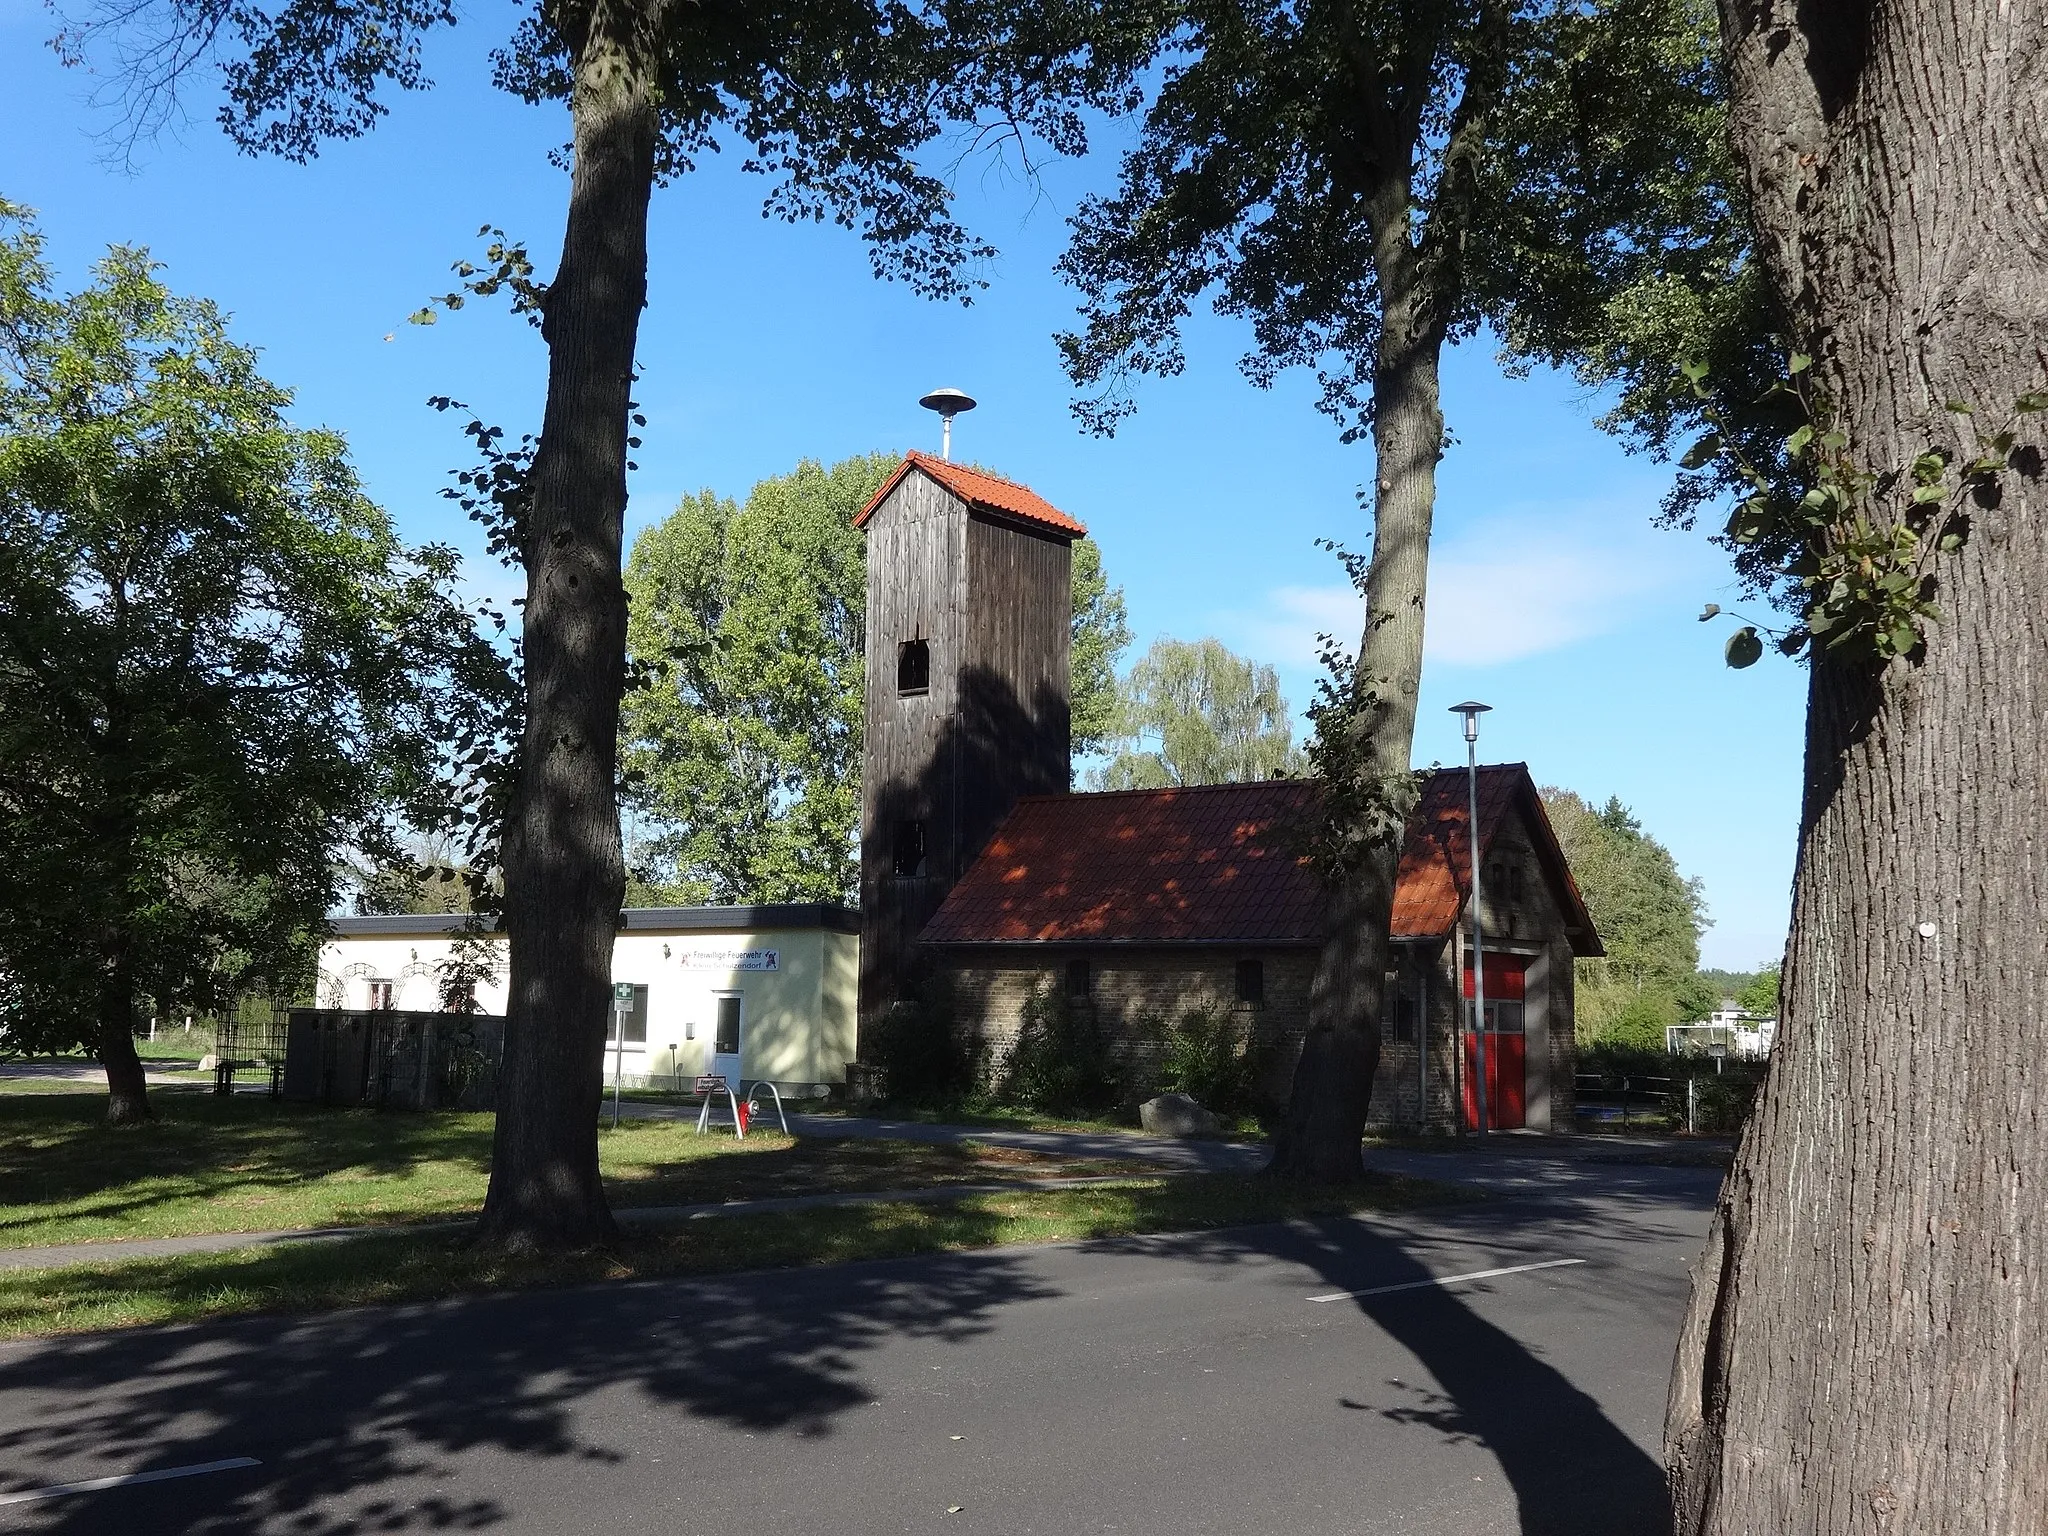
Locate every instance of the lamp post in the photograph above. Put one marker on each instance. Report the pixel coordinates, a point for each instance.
(1472, 710)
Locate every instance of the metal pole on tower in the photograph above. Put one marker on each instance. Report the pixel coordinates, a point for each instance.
(948, 403)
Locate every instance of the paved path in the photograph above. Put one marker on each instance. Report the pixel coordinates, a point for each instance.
(1530, 1165)
(1179, 1385)
(93, 1075)
(629, 1216)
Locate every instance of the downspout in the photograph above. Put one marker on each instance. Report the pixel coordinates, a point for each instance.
(1458, 1029)
(1422, 1051)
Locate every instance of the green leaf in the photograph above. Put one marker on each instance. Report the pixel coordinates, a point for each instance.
(1693, 369)
(1796, 443)
(1744, 649)
(1709, 612)
(1702, 452)
(2032, 401)
(423, 317)
(1799, 362)
(1960, 407)
(1927, 493)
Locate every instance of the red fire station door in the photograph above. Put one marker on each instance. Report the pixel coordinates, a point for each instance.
(1506, 1045)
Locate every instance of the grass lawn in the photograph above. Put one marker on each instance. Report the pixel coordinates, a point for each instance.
(421, 1266)
(249, 1164)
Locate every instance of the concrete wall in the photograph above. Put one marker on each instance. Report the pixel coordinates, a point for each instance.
(797, 1021)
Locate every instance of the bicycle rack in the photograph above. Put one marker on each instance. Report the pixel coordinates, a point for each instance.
(711, 1086)
(776, 1094)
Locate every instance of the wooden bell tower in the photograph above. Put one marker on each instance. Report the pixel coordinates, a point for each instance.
(969, 626)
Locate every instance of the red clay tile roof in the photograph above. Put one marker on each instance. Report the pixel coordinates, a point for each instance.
(982, 492)
(1215, 865)
(1430, 891)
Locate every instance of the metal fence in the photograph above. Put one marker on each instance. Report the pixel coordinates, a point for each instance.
(1704, 1103)
(392, 1060)
(249, 1044)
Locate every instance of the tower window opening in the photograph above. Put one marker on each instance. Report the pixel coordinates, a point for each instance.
(908, 852)
(1080, 981)
(914, 666)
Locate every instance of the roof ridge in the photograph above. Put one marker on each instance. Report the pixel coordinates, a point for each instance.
(1162, 789)
(1188, 789)
(955, 466)
(983, 491)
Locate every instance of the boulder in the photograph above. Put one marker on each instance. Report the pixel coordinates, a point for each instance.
(1175, 1114)
(208, 1062)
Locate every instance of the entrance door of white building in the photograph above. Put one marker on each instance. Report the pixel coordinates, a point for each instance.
(725, 1038)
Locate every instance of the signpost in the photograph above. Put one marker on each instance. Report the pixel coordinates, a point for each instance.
(622, 1004)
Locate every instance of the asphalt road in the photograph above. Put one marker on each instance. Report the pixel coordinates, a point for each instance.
(1171, 1385)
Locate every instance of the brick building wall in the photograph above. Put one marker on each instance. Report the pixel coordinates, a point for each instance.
(1135, 992)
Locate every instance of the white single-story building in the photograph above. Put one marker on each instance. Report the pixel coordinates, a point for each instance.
(1747, 1036)
(753, 993)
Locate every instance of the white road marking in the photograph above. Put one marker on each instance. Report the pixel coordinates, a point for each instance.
(95, 1484)
(1423, 1285)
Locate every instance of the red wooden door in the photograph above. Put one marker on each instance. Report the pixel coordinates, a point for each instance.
(1507, 1059)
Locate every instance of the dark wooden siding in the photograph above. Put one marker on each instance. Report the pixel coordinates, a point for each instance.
(994, 604)
(1015, 731)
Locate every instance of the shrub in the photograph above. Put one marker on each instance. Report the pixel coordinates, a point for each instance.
(1724, 1097)
(1062, 1061)
(1639, 1025)
(918, 1046)
(1210, 1059)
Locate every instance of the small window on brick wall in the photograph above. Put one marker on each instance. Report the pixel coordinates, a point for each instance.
(907, 853)
(913, 666)
(1401, 1008)
(1251, 983)
(1080, 979)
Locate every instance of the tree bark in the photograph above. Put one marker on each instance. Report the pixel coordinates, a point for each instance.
(1319, 1140)
(564, 869)
(1867, 1345)
(127, 1088)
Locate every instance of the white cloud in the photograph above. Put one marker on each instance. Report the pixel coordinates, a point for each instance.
(1499, 592)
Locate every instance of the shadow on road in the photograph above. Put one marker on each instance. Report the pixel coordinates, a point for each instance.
(1573, 1470)
(337, 1406)
(341, 1408)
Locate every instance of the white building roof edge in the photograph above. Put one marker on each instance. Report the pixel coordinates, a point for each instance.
(792, 914)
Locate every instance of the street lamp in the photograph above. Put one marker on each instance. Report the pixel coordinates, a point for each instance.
(1471, 709)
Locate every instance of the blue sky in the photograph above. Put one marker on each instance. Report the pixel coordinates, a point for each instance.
(1552, 597)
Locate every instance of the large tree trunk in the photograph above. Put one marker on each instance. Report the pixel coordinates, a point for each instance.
(1867, 1345)
(1319, 1140)
(127, 1088)
(564, 871)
